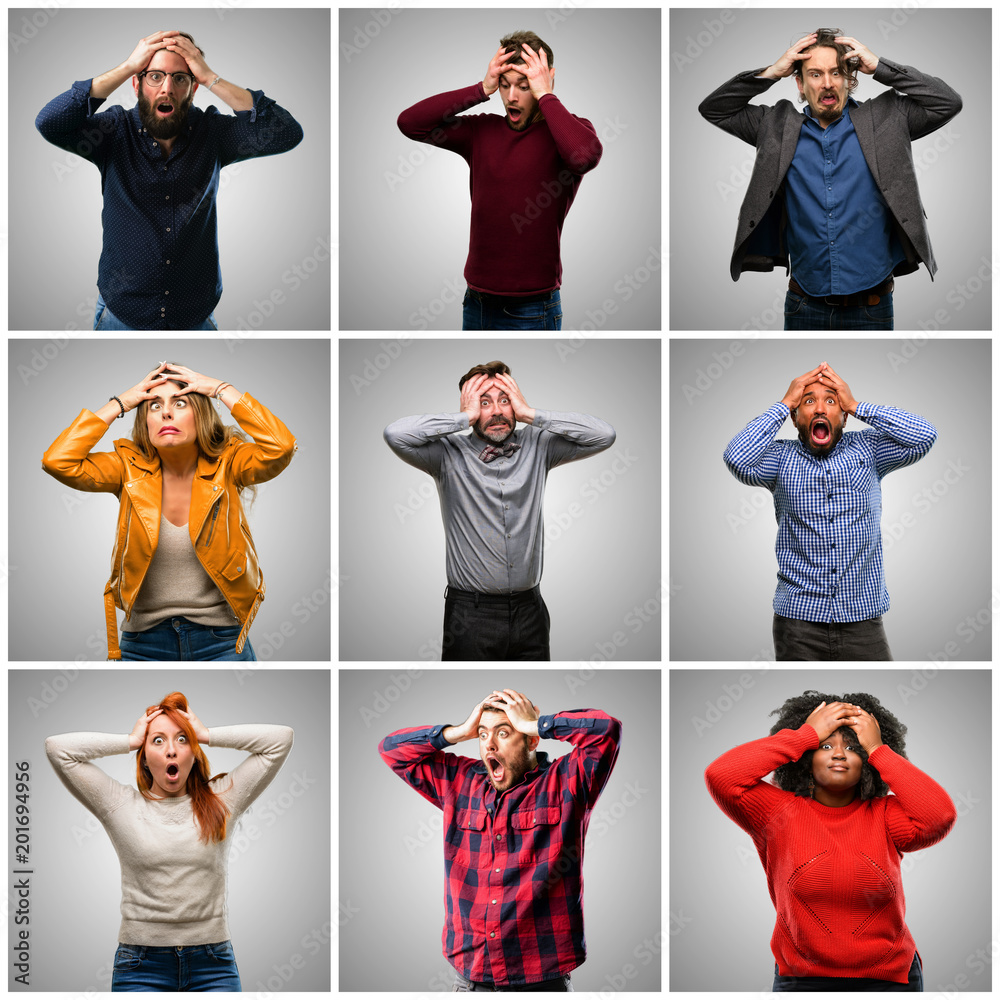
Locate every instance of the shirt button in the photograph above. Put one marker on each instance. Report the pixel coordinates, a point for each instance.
(506, 506)
(508, 535)
(498, 836)
(168, 229)
(167, 292)
(497, 870)
(156, 144)
(493, 934)
(168, 261)
(168, 197)
(493, 901)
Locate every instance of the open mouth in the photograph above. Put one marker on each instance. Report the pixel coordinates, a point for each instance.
(820, 432)
(164, 110)
(173, 770)
(496, 769)
(515, 114)
(828, 100)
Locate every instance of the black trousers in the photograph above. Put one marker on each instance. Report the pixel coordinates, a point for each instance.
(495, 626)
(795, 639)
(822, 984)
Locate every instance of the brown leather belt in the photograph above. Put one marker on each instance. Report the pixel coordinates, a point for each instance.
(870, 297)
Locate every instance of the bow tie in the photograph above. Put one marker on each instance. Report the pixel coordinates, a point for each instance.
(491, 452)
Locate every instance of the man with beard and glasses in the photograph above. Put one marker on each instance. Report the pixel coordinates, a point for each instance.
(834, 190)
(525, 168)
(160, 164)
(491, 484)
(514, 827)
(828, 503)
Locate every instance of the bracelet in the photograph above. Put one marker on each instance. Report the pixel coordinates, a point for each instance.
(214, 82)
(120, 404)
(218, 392)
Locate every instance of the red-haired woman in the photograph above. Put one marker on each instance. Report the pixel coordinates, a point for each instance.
(172, 838)
(184, 568)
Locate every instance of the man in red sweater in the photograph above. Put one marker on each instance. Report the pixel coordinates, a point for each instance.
(524, 171)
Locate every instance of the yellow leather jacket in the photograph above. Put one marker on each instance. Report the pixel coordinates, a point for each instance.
(219, 532)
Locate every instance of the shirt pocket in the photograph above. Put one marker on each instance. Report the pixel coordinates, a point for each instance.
(537, 836)
(466, 841)
(860, 475)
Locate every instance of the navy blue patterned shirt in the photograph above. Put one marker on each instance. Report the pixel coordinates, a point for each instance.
(829, 508)
(159, 267)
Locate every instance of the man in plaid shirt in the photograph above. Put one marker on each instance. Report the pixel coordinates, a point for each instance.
(828, 503)
(514, 827)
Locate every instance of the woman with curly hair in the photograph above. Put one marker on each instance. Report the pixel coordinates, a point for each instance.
(184, 567)
(830, 836)
(172, 836)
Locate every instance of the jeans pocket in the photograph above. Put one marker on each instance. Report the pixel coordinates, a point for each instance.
(793, 303)
(100, 319)
(127, 957)
(221, 952)
(226, 632)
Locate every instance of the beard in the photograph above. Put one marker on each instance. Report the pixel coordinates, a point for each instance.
(495, 433)
(164, 128)
(516, 764)
(836, 432)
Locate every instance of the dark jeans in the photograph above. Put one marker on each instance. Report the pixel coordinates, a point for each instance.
(495, 626)
(795, 639)
(508, 312)
(818, 984)
(560, 985)
(179, 639)
(803, 313)
(200, 968)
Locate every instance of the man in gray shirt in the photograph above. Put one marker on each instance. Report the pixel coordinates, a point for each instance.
(491, 484)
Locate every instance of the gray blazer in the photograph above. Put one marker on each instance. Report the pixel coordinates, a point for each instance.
(885, 126)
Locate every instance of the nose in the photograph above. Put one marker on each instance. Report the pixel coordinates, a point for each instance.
(839, 753)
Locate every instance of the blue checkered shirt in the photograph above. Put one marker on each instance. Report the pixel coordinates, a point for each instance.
(829, 508)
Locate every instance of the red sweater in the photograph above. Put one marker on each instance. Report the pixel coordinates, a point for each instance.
(833, 873)
(522, 184)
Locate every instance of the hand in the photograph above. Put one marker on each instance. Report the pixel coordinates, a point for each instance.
(786, 64)
(194, 382)
(798, 386)
(827, 719)
(496, 69)
(844, 396)
(188, 51)
(522, 412)
(469, 729)
(138, 735)
(131, 398)
(869, 732)
(536, 69)
(146, 49)
(200, 729)
(474, 387)
(522, 714)
(868, 61)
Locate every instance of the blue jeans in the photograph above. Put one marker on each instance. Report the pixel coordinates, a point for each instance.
(802, 313)
(507, 312)
(198, 968)
(179, 639)
(836, 984)
(560, 985)
(795, 639)
(105, 319)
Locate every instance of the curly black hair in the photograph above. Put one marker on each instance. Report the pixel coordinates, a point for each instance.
(796, 776)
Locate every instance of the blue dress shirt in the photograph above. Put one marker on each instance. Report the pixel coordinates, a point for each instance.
(159, 267)
(829, 508)
(840, 234)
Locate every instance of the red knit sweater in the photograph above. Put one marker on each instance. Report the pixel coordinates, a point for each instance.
(833, 873)
(522, 184)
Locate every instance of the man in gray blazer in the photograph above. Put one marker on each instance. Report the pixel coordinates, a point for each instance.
(833, 196)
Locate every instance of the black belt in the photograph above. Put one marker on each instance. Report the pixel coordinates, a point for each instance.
(870, 297)
(490, 297)
(497, 600)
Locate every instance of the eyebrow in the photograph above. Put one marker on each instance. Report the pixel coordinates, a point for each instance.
(499, 725)
(522, 80)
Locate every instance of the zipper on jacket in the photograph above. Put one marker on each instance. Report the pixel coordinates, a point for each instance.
(121, 564)
(215, 515)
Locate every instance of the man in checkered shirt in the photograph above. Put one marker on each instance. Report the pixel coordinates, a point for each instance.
(514, 827)
(828, 503)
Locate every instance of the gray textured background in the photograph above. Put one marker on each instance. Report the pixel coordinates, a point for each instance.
(404, 205)
(279, 862)
(274, 212)
(61, 539)
(395, 852)
(710, 170)
(598, 566)
(723, 917)
(936, 548)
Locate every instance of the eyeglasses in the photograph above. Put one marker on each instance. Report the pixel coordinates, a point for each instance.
(154, 78)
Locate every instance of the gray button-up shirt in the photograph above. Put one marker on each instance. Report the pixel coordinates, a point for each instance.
(493, 512)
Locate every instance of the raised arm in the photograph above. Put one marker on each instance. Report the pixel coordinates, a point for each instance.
(268, 747)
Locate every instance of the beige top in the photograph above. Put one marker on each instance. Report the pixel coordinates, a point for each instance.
(177, 586)
(173, 884)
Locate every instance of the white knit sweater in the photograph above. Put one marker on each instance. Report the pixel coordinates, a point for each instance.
(173, 884)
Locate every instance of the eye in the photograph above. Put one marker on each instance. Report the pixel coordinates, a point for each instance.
(182, 738)
(181, 402)
(154, 406)
(157, 739)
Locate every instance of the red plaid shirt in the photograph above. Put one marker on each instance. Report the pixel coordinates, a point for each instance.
(513, 862)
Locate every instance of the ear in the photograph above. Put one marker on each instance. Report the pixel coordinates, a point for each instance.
(136, 83)
(798, 83)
